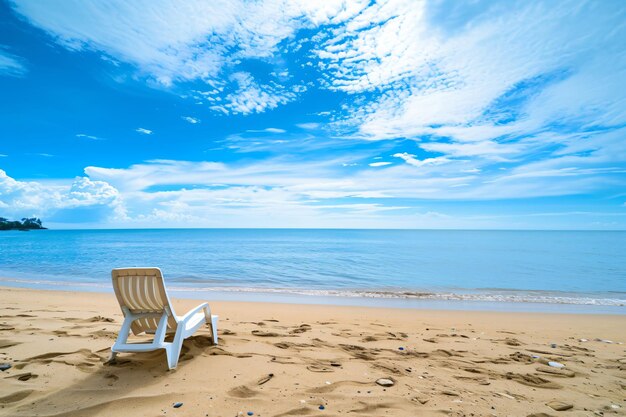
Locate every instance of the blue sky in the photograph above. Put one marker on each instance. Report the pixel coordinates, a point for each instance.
(396, 114)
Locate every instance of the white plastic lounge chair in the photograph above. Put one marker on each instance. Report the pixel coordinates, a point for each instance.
(147, 308)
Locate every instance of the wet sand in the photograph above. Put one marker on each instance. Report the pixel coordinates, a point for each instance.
(288, 360)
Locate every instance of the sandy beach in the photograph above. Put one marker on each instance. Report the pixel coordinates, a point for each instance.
(288, 360)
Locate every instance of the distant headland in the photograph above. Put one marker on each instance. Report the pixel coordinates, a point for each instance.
(32, 223)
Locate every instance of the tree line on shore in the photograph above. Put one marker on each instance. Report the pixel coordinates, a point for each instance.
(27, 223)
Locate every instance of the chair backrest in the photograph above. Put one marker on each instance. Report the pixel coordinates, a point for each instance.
(142, 291)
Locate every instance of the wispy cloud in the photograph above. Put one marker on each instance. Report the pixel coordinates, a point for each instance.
(379, 164)
(143, 131)
(192, 120)
(85, 136)
(308, 126)
(411, 160)
(267, 130)
(197, 41)
(251, 97)
(11, 65)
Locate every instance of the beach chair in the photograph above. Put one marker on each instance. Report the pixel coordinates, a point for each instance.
(147, 308)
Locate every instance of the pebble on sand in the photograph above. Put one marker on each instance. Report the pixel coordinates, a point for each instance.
(321, 407)
(385, 382)
(250, 413)
(556, 364)
(5, 366)
(177, 405)
(560, 406)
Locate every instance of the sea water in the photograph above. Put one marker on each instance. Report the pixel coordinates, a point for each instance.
(541, 267)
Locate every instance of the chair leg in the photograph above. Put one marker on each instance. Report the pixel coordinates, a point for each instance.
(172, 359)
(214, 329)
(173, 349)
(112, 357)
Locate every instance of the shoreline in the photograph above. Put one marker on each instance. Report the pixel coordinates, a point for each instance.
(463, 300)
(287, 360)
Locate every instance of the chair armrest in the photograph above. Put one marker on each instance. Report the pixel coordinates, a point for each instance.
(203, 306)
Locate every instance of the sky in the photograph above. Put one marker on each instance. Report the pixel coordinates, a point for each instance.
(322, 114)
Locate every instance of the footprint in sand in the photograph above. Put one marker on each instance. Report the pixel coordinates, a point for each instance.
(83, 359)
(111, 377)
(323, 366)
(261, 333)
(23, 377)
(218, 351)
(359, 352)
(532, 380)
(107, 334)
(15, 396)
(7, 343)
(398, 336)
(521, 357)
(100, 319)
(301, 329)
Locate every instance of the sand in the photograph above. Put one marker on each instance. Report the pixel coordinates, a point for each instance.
(288, 360)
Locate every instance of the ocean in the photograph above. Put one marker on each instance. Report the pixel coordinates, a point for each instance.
(415, 268)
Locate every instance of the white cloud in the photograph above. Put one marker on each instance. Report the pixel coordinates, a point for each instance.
(3, 155)
(308, 126)
(252, 97)
(411, 160)
(191, 120)
(431, 77)
(502, 84)
(83, 135)
(275, 130)
(302, 192)
(295, 192)
(512, 101)
(487, 149)
(143, 131)
(32, 198)
(170, 42)
(267, 130)
(11, 65)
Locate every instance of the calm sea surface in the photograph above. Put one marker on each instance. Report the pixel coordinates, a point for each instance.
(585, 268)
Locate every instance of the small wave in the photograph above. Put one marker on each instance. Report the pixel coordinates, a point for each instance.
(504, 296)
(44, 282)
(521, 297)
